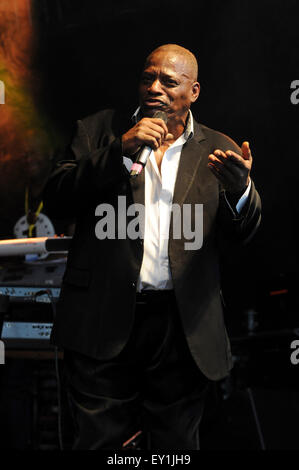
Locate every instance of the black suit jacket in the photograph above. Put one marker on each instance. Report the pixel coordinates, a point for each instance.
(95, 312)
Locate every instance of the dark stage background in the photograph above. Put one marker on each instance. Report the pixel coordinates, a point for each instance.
(88, 55)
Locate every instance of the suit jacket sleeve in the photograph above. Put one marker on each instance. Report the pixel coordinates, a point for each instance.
(240, 227)
(90, 168)
(233, 226)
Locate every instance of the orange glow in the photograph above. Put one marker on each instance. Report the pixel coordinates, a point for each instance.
(16, 115)
(279, 292)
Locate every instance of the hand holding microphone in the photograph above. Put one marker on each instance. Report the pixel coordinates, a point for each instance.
(147, 135)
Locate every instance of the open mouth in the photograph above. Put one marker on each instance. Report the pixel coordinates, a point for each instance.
(152, 102)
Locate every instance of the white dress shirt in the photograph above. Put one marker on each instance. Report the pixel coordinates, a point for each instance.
(159, 187)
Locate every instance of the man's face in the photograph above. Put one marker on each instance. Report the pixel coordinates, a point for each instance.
(167, 84)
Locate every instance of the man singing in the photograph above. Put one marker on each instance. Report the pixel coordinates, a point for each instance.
(140, 318)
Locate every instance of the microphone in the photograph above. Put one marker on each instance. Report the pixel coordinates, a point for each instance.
(145, 151)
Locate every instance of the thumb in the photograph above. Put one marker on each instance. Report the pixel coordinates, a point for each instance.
(169, 137)
(246, 153)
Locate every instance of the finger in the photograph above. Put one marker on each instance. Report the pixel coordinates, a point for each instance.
(212, 157)
(219, 153)
(235, 168)
(169, 137)
(150, 138)
(163, 131)
(222, 162)
(146, 130)
(246, 152)
(216, 173)
(160, 123)
(157, 125)
(221, 157)
(225, 172)
(235, 158)
(235, 171)
(153, 142)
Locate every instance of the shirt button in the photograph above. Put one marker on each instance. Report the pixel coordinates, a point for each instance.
(133, 284)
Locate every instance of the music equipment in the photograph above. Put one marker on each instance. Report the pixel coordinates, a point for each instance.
(31, 291)
(38, 245)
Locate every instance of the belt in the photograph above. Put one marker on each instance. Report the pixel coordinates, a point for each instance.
(155, 296)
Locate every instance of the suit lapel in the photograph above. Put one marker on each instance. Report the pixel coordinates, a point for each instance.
(190, 158)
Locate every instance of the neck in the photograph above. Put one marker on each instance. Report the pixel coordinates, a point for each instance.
(177, 125)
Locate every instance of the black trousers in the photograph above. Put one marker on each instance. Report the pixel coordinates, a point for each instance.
(153, 385)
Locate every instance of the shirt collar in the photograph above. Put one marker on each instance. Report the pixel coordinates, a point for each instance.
(189, 129)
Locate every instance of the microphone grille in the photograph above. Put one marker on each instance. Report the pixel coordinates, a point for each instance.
(161, 115)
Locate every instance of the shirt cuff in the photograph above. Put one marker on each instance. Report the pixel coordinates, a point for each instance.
(243, 198)
(241, 201)
(127, 163)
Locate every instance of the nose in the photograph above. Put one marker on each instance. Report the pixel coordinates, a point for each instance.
(155, 86)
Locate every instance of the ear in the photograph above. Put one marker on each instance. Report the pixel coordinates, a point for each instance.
(195, 90)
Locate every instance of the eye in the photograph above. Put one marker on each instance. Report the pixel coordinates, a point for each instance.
(146, 78)
(170, 82)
